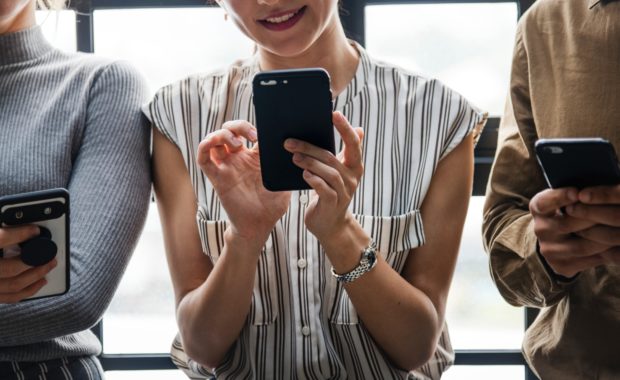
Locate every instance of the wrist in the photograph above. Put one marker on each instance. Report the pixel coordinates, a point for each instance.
(244, 244)
(345, 244)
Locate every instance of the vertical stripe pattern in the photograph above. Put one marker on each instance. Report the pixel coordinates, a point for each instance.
(72, 368)
(302, 324)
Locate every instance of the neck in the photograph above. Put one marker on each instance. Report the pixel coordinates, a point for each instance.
(22, 18)
(330, 51)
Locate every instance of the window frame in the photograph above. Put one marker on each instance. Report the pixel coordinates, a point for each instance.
(353, 18)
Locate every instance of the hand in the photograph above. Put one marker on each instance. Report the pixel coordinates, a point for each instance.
(565, 251)
(18, 280)
(334, 179)
(600, 205)
(234, 171)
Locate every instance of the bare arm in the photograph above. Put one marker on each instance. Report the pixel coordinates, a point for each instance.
(213, 301)
(404, 314)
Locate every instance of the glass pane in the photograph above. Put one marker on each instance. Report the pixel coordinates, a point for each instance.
(141, 375)
(504, 372)
(59, 28)
(141, 318)
(477, 316)
(169, 44)
(466, 46)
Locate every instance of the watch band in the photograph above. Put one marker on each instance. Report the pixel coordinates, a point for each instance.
(368, 260)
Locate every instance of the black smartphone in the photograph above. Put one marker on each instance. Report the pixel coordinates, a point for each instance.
(291, 104)
(49, 209)
(578, 162)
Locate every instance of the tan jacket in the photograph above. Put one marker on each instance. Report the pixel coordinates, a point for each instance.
(565, 82)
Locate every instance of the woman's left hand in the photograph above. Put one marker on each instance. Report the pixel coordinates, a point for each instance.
(334, 179)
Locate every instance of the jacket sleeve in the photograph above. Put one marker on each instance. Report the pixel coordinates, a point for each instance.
(508, 227)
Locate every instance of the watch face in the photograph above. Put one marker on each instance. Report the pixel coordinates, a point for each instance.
(370, 255)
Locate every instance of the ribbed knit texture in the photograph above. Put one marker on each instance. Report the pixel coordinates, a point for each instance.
(72, 121)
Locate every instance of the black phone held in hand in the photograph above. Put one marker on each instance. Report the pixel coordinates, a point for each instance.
(48, 209)
(291, 104)
(578, 162)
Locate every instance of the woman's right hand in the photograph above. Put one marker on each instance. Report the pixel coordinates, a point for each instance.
(18, 280)
(234, 171)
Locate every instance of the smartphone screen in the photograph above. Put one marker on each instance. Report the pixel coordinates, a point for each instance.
(49, 209)
(578, 162)
(291, 104)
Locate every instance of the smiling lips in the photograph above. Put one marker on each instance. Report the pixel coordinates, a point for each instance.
(283, 21)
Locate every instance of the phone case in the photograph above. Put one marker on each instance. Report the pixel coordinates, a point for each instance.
(578, 162)
(49, 209)
(291, 104)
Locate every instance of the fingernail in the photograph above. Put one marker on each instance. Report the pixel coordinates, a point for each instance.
(569, 209)
(291, 143)
(236, 142)
(298, 157)
(253, 135)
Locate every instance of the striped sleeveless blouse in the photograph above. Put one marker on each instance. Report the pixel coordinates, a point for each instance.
(302, 324)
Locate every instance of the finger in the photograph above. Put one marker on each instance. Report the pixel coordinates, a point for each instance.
(325, 193)
(352, 139)
(12, 267)
(600, 195)
(331, 176)
(22, 281)
(601, 234)
(241, 128)
(548, 201)
(558, 226)
(15, 235)
(313, 151)
(221, 139)
(605, 214)
(570, 248)
(23, 294)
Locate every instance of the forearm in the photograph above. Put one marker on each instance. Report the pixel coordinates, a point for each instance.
(401, 318)
(212, 316)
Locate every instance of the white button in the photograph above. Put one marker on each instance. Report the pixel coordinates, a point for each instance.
(305, 330)
(303, 199)
(301, 263)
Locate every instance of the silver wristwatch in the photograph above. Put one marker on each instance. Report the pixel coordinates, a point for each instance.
(367, 262)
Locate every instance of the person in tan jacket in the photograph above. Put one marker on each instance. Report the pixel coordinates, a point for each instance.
(565, 82)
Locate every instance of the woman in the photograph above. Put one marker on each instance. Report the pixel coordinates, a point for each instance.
(252, 269)
(70, 121)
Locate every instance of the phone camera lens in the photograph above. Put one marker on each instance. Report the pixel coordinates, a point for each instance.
(19, 214)
(47, 210)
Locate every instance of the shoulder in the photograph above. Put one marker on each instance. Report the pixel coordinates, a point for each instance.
(406, 79)
(550, 15)
(197, 88)
(95, 74)
(94, 66)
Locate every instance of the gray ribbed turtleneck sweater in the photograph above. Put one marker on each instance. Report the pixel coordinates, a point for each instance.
(73, 121)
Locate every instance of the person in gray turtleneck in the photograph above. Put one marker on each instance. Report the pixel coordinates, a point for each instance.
(72, 121)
